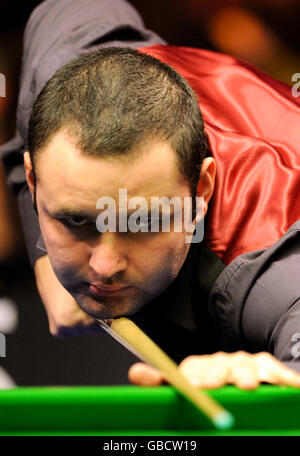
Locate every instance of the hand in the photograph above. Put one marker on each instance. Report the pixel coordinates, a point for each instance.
(242, 369)
(64, 315)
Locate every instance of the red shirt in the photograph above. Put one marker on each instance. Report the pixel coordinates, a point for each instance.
(253, 125)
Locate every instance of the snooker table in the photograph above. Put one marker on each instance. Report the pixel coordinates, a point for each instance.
(135, 411)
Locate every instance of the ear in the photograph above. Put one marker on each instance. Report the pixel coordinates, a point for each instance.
(29, 173)
(206, 184)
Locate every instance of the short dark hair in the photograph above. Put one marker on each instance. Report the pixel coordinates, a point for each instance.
(114, 99)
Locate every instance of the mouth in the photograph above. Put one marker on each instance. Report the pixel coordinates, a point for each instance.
(98, 291)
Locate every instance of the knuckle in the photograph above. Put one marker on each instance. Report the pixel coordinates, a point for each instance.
(264, 356)
(219, 356)
(242, 355)
(54, 330)
(62, 324)
(188, 361)
(63, 320)
(67, 318)
(220, 353)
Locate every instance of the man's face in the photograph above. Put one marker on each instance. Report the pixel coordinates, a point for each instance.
(86, 261)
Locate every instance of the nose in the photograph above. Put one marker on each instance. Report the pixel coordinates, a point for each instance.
(107, 259)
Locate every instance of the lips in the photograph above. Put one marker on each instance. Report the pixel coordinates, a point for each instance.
(105, 288)
(108, 291)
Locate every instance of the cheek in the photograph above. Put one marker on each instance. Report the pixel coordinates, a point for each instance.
(163, 258)
(63, 250)
(178, 253)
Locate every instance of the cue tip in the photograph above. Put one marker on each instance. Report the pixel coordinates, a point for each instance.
(223, 420)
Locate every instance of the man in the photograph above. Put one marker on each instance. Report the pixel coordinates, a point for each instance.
(119, 119)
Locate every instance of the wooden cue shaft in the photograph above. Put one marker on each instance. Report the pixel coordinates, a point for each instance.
(132, 334)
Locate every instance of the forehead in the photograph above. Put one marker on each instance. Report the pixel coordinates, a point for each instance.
(68, 176)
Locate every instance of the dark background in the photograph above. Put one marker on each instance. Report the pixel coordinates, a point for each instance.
(262, 32)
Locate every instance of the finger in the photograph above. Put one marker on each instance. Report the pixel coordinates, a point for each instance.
(214, 377)
(217, 371)
(273, 371)
(245, 377)
(244, 371)
(69, 321)
(289, 377)
(204, 371)
(144, 375)
(194, 368)
(77, 328)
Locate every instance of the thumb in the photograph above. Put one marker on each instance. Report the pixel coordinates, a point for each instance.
(144, 375)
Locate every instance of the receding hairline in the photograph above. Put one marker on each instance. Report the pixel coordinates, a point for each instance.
(126, 157)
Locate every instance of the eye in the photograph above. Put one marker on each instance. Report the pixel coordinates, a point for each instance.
(151, 222)
(144, 224)
(76, 222)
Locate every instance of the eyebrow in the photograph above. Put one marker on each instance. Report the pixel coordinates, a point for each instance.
(68, 212)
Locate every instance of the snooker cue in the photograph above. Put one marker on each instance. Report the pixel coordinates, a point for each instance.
(135, 340)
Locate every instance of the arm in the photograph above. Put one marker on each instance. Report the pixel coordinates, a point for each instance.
(270, 328)
(285, 338)
(64, 316)
(56, 32)
(279, 365)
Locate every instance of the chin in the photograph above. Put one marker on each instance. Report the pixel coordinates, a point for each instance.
(107, 307)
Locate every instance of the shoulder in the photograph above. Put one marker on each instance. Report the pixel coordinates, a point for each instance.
(279, 272)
